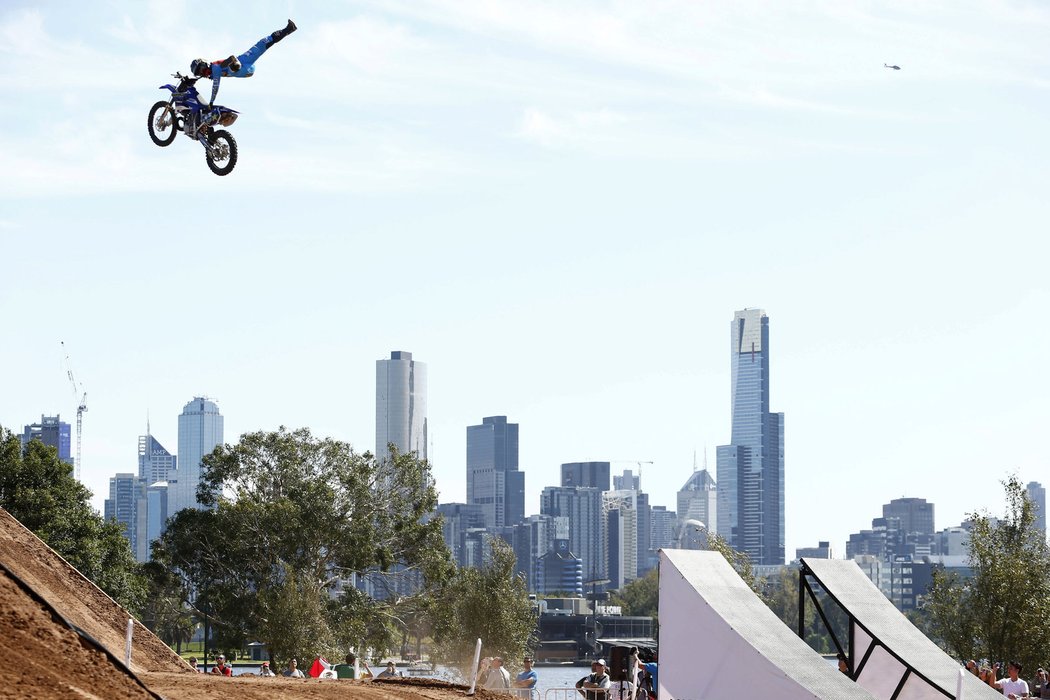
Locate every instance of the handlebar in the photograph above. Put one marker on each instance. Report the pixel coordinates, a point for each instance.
(180, 76)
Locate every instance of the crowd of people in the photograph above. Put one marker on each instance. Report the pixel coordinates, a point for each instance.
(321, 668)
(1012, 684)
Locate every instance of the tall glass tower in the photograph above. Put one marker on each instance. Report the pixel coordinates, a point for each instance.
(493, 479)
(750, 473)
(401, 404)
(200, 432)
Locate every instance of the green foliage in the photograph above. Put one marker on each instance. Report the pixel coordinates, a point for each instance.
(292, 517)
(1000, 613)
(490, 603)
(39, 490)
(641, 596)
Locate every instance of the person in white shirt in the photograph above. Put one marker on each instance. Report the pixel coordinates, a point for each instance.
(1013, 687)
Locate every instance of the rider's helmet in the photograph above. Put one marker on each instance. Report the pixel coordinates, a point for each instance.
(199, 67)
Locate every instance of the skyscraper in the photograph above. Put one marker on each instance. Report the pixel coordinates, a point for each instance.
(590, 474)
(751, 468)
(122, 505)
(915, 514)
(494, 481)
(582, 508)
(697, 499)
(155, 462)
(1037, 494)
(200, 432)
(50, 431)
(401, 404)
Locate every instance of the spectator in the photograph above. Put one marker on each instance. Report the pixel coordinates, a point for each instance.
(526, 680)
(194, 666)
(651, 670)
(293, 671)
(843, 663)
(221, 667)
(390, 672)
(596, 685)
(346, 670)
(498, 678)
(266, 671)
(1039, 687)
(971, 666)
(1013, 687)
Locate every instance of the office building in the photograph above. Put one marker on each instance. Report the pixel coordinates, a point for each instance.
(586, 474)
(915, 515)
(621, 537)
(456, 520)
(401, 405)
(53, 432)
(200, 432)
(494, 481)
(821, 551)
(122, 505)
(662, 528)
(151, 513)
(582, 509)
(698, 498)
(1037, 495)
(155, 462)
(560, 572)
(750, 471)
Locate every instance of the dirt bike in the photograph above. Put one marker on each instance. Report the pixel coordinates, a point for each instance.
(185, 112)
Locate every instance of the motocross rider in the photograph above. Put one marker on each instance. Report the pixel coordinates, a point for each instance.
(242, 66)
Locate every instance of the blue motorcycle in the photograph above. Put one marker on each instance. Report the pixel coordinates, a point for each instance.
(186, 113)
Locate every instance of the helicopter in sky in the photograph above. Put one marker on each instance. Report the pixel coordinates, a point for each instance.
(893, 67)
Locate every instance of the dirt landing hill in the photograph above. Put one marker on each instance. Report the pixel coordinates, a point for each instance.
(45, 659)
(79, 600)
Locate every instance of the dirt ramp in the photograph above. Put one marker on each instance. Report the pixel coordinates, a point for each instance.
(43, 658)
(78, 600)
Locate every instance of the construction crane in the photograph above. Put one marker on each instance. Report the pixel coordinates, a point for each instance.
(81, 407)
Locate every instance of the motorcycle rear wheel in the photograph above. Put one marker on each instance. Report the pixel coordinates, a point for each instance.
(161, 124)
(223, 163)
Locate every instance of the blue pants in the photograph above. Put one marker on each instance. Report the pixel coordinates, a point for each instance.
(249, 57)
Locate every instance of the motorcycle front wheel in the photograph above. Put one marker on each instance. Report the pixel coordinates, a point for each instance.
(224, 148)
(161, 124)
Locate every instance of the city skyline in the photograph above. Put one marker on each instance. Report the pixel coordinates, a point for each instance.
(560, 230)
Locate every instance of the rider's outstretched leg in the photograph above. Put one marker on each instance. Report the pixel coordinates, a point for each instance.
(249, 57)
(282, 33)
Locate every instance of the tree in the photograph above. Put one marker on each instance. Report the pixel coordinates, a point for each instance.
(1000, 613)
(641, 596)
(490, 603)
(291, 517)
(39, 490)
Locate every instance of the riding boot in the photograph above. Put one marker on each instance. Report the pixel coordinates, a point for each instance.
(282, 33)
(232, 64)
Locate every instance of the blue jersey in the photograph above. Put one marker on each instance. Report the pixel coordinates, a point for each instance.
(247, 59)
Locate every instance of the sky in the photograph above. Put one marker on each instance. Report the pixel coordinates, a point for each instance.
(557, 206)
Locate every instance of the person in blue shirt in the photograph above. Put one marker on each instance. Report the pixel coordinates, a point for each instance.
(526, 680)
(242, 66)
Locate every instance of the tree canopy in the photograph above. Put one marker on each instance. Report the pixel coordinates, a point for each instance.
(40, 491)
(641, 596)
(490, 603)
(290, 520)
(1000, 612)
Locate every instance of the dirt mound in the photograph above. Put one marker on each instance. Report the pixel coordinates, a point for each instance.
(209, 687)
(44, 658)
(78, 600)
